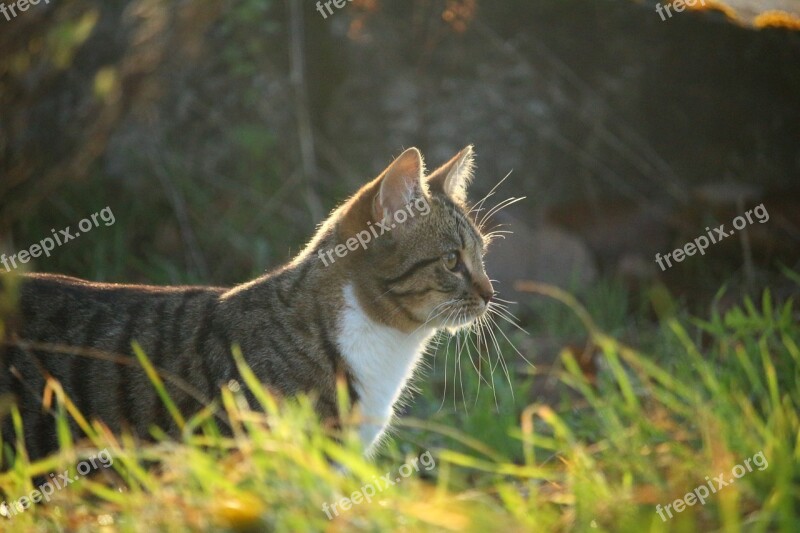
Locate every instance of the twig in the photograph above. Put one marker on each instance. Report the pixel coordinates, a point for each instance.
(304, 127)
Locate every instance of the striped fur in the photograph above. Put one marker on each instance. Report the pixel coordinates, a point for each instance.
(299, 327)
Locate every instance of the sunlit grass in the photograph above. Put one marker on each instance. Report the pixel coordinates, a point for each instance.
(702, 397)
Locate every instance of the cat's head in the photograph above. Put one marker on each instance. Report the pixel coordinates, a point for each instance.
(422, 262)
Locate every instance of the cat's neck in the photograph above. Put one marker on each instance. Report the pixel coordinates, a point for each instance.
(382, 360)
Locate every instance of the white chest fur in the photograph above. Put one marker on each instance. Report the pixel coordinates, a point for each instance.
(382, 360)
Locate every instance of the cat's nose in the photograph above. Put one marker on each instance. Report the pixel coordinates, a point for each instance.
(484, 288)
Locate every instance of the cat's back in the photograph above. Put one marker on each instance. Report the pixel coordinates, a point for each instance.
(39, 286)
(54, 307)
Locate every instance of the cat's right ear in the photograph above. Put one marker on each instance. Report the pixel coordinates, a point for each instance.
(453, 178)
(401, 184)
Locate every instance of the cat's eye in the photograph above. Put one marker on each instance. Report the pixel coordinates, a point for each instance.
(450, 260)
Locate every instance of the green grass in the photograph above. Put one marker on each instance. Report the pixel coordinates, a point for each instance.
(695, 399)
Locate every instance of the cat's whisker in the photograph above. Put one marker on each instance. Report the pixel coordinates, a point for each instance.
(496, 230)
(457, 366)
(503, 307)
(507, 315)
(463, 344)
(477, 207)
(430, 318)
(489, 337)
(489, 238)
(479, 203)
(477, 327)
(446, 353)
(484, 323)
(500, 357)
(484, 217)
(476, 368)
(497, 208)
(500, 225)
(433, 347)
(503, 312)
(511, 343)
(455, 357)
(467, 339)
(493, 338)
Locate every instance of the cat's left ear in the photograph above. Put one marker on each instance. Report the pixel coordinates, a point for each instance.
(453, 178)
(401, 184)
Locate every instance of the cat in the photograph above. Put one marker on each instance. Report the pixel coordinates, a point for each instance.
(367, 317)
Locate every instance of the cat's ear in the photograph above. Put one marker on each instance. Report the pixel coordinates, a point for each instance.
(453, 178)
(401, 184)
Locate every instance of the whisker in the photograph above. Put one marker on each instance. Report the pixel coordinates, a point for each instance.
(476, 367)
(476, 343)
(479, 203)
(460, 373)
(512, 345)
(430, 318)
(479, 324)
(486, 217)
(506, 315)
(446, 352)
(497, 208)
(500, 358)
(498, 232)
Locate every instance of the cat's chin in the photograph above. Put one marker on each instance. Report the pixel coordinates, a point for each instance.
(454, 326)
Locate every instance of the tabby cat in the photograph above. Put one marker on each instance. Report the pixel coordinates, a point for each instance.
(366, 317)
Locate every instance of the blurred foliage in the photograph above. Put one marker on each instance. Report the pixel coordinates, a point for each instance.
(187, 118)
(177, 196)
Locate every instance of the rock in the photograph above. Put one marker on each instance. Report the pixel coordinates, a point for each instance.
(546, 254)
